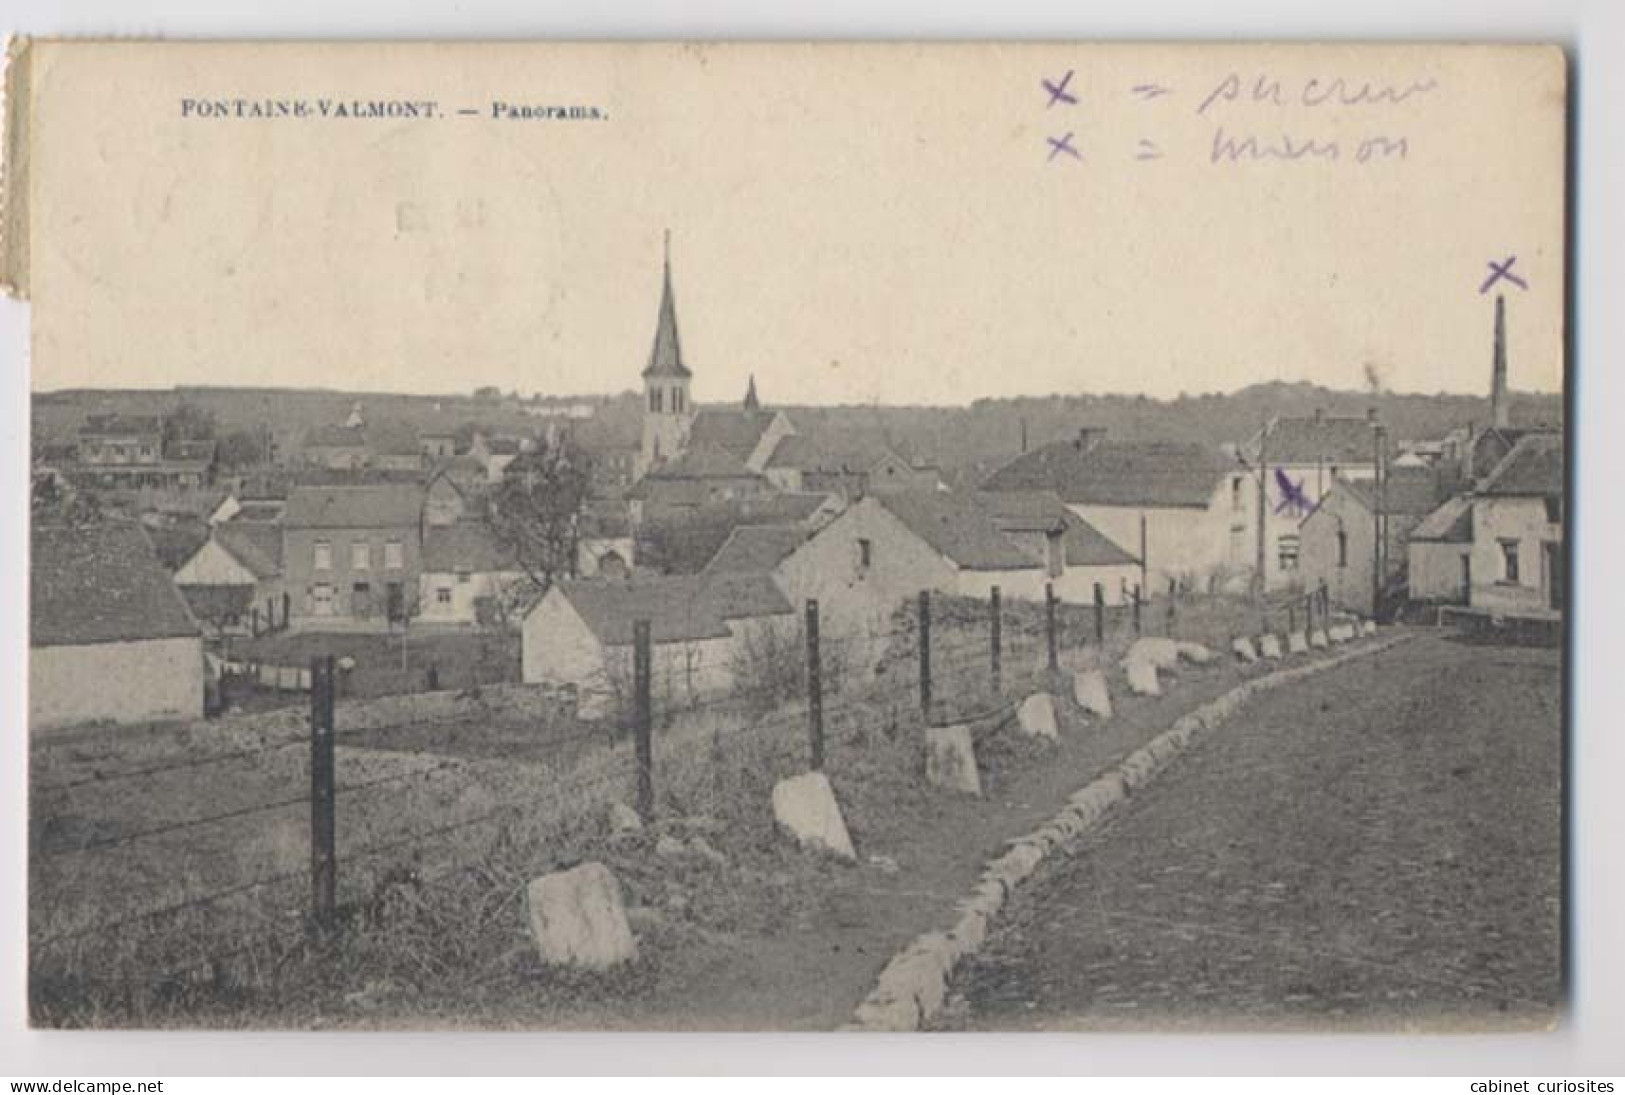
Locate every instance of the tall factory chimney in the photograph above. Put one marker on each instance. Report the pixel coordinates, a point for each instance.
(1500, 408)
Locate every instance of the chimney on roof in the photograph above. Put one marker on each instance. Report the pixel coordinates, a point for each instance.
(1500, 412)
(1088, 437)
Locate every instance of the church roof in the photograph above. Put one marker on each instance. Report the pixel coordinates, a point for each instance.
(666, 355)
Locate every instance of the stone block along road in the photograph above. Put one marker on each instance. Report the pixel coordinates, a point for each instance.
(1377, 848)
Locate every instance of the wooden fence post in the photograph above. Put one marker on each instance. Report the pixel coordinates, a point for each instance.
(643, 718)
(323, 857)
(996, 638)
(1100, 613)
(1137, 629)
(1051, 635)
(815, 689)
(925, 653)
(1173, 606)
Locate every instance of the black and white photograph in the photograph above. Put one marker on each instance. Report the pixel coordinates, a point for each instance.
(1044, 537)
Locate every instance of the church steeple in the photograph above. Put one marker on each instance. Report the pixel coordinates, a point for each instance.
(667, 411)
(751, 402)
(666, 355)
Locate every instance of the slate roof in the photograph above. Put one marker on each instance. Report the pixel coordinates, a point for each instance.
(757, 549)
(704, 460)
(1451, 523)
(256, 545)
(854, 453)
(1410, 492)
(1036, 511)
(394, 505)
(101, 583)
(1154, 474)
(733, 428)
(1534, 467)
(1328, 439)
(687, 608)
(465, 545)
(958, 528)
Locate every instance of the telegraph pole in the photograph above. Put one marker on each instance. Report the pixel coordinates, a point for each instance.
(1263, 505)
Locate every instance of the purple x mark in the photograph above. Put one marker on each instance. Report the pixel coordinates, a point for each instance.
(1500, 271)
(1058, 92)
(1058, 145)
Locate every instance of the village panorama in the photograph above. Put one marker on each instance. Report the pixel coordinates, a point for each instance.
(627, 711)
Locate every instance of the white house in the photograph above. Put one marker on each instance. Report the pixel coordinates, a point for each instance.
(1517, 552)
(110, 638)
(1440, 554)
(1189, 505)
(702, 629)
(468, 577)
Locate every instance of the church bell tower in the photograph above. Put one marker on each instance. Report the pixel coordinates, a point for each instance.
(667, 411)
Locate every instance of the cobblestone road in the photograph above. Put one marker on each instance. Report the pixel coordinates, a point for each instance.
(1379, 848)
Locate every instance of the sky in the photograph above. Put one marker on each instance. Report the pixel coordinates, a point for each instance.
(898, 224)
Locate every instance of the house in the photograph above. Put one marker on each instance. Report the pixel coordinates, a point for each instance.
(1299, 459)
(1439, 554)
(468, 576)
(1338, 539)
(702, 632)
(352, 554)
(704, 474)
(1076, 555)
(437, 444)
(495, 454)
(851, 466)
(757, 549)
(886, 548)
(683, 541)
(130, 452)
(1517, 550)
(110, 637)
(611, 448)
(446, 497)
(396, 448)
(337, 447)
(1186, 508)
(233, 583)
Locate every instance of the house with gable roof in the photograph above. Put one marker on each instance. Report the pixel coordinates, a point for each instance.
(102, 609)
(1194, 504)
(580, 635)
(352, 554)
(1517, 552)
(233, 582)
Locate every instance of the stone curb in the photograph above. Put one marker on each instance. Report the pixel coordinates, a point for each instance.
(913, 986)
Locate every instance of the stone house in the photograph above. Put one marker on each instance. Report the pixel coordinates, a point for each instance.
(468, 577)
(352, 555)
(233, 583)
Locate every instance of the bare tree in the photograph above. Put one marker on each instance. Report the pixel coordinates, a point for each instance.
(535, 511)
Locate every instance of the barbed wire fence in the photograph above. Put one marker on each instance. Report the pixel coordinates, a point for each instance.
(792, 701)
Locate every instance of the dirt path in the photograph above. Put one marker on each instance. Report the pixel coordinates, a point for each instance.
(1379, 848)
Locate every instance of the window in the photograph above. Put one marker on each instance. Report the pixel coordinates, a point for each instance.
(1554, 511)
(1342, 548)
(464, 577)
(442, 595)
(323, 559)
(1235, 492)
(393, 557)
(866, 554)
(657, 395)
(1286, 550)
(360, 555)
(677, 400)
(1509, 561)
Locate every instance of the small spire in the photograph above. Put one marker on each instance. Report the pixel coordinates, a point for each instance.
(751, 402)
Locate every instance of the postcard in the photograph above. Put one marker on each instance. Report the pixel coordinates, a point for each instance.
(1044, 536)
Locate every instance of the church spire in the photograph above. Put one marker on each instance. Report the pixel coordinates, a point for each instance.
(666, 356)
(751, 402)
